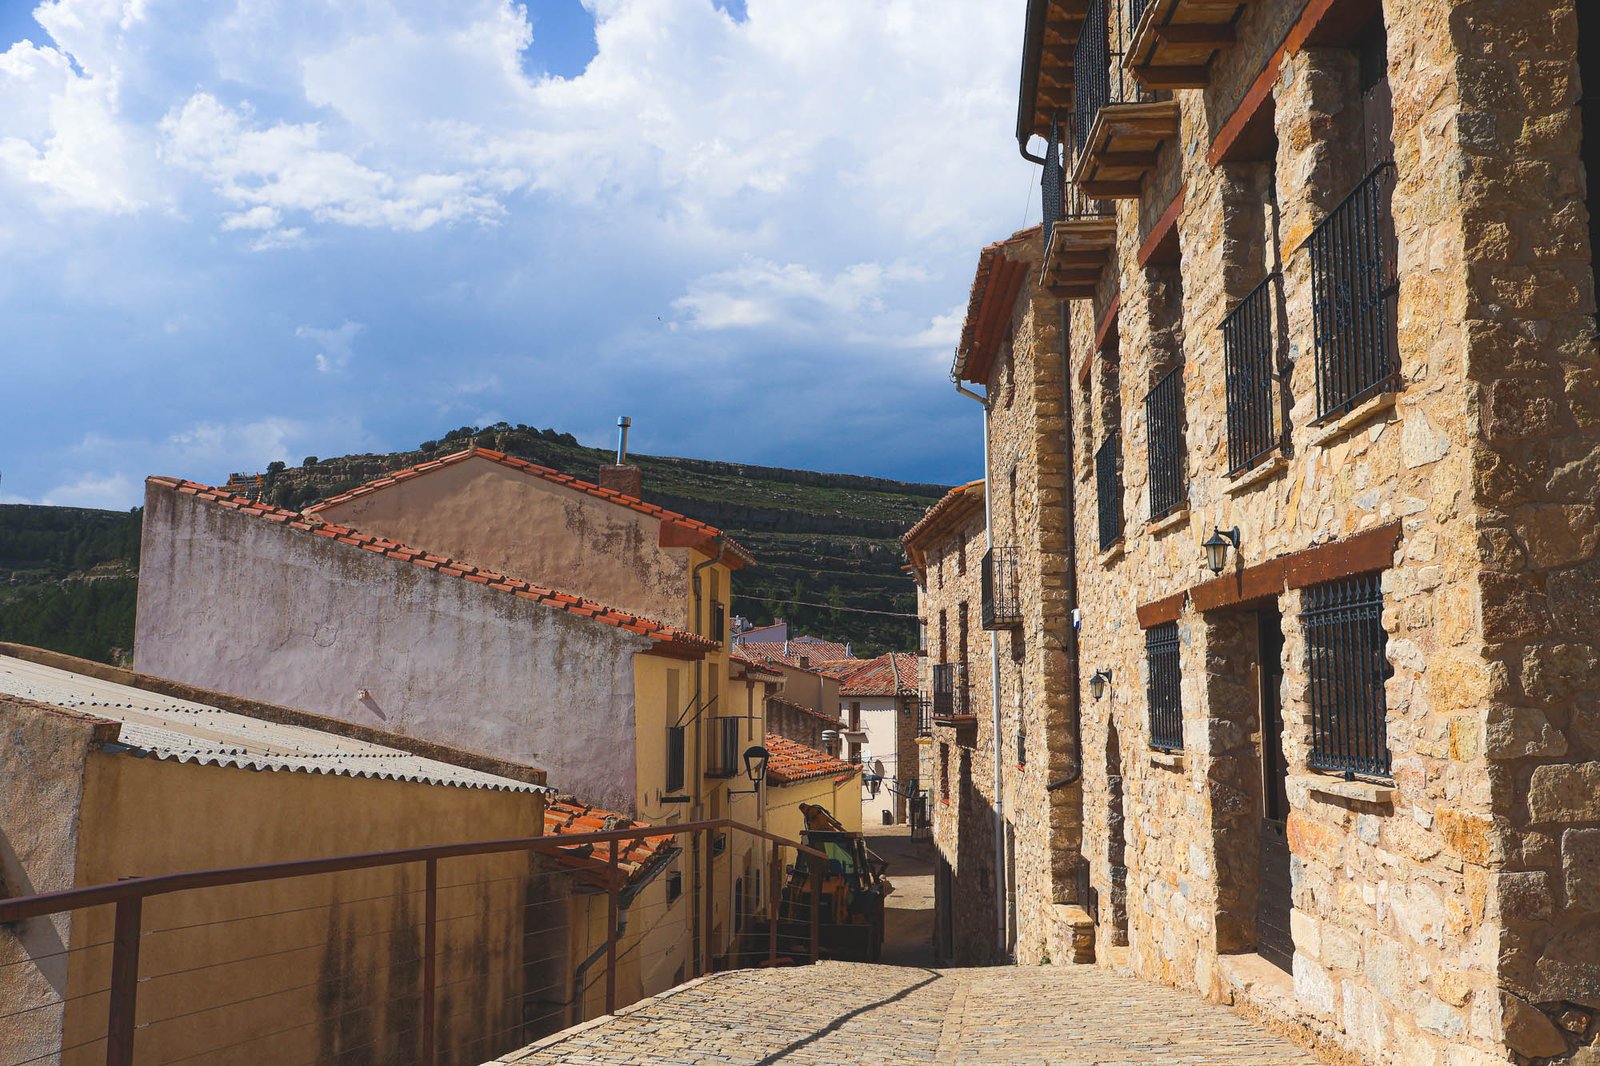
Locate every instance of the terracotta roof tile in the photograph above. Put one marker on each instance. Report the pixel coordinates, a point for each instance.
(591, 861)
(952, 505)
(803, 709)
(790, 761)
(670, 638)
(995, 287)
(699, 532)
(789, 653)
(890, 674)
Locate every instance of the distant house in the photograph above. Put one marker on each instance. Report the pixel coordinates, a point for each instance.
(878, 702)
(109, 774)
(805, 679)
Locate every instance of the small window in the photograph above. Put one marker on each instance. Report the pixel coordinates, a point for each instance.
(944, 772)
(1162, 689)
(1347, 665)
(674, 758)
(674, 886)
(1022, 748)
(961, 556)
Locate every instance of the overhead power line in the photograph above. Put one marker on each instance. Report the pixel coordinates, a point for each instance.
(833, 607)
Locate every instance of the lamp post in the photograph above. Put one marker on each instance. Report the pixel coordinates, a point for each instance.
(1217, 546)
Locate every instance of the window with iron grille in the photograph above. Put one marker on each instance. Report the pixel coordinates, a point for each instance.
(949, 690)
(719, 615)
(1251, 356)
(1108, 489)
(924, 718)
(674, 758)
(1162, 689)
(1001, 601)
(1353, 290)
(1163, 418)
(1347, 667)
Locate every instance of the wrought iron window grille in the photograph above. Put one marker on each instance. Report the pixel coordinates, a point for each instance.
(724, 761)
(1108, 489)
(1250, 350)
(1163, 689)
(1347, 666)
(1353, 296)
(950, 690)
(1001, 606)
(1163, 416)
(924, 717)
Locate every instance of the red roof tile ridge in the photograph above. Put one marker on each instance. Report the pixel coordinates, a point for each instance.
(544, 473)
(393, 549)
(790, 761)
(943, 504)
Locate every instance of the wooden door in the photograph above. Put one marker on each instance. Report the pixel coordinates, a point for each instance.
(1273, 940)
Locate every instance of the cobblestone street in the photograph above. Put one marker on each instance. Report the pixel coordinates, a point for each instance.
(854, 1013)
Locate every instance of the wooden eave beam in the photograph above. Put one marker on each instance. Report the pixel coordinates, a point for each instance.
(1141, 160)
(1110, 190)
(1187, 77)
(1198, 34)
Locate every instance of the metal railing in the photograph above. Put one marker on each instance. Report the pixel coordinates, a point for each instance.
(924, 717)
(1001, 599)
(1347, 663)
(1353, 290)
(186, 983)
(1162, 691)
(1098, 77)
(724, 756)
(1164, 452)
(951, 691)
(1108, 489)
(1250, 351)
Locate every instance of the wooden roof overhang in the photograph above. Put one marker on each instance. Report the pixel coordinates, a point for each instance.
(1121, 148)
(1173, 44)
(1081, 249)
(1050, 39)
(995, 287)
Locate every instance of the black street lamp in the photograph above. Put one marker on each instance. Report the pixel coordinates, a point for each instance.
(1098, 683)
(1217, 546)
(755, 768)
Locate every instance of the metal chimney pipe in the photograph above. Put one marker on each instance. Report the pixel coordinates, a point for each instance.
(622, 439)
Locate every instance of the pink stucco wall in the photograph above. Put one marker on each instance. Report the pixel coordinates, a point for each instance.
(229, 601)
(492, 516)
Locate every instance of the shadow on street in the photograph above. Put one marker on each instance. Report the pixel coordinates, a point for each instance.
(908, 913)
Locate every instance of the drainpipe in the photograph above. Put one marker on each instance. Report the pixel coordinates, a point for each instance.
(1000, 880)
(699, 746)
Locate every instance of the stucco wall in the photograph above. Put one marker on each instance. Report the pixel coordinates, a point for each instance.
(42, 755)
(838, 798)
(492, 516)
(317, 967)
(880, 720)
(231, 602)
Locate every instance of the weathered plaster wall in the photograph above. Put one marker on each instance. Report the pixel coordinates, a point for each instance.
(880, 720)
(492, 516)
(230, 602)
(339, 950)
(43, 752)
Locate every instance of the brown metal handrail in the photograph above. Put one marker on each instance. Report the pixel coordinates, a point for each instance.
(129, 895)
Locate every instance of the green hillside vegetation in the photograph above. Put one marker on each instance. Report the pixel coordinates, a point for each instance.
(828, 544)
(68, 579)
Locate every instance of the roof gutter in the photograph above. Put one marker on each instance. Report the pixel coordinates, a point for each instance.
(1032, 48)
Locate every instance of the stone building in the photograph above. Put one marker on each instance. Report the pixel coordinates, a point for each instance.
(1315, 293)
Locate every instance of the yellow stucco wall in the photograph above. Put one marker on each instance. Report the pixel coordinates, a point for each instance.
(310, 967)
(841, 799)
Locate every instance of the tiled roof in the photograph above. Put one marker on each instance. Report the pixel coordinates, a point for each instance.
(952, 507)
(698, 534)
(995, 286)
(670, 639)
(839, 669)
(890, 674)
(753, 632)
(789, 652)
(737, 656)
(790, 761)
(154, 725)
(591, 861)
(803, 709)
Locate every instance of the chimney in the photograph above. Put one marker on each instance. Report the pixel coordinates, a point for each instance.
(622, 475)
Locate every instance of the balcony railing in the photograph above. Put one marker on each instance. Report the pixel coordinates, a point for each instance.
(1108, 489)
(951, 693)
(1163, 417)
(1002, 601)
(1098, 77)
(1353, 289)
(924, 717)
(1345, 650)
(1250, 350)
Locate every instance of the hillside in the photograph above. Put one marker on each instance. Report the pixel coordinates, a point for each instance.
(68, 575)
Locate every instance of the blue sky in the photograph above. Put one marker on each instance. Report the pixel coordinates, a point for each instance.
(251, 230)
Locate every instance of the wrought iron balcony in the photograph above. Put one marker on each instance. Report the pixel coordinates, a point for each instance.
(1080, 234)
(1108, 489)
(1353, 290)
(1345, 651)
(1250, 351)
(1164, 454)
(1171, 42)
(722, 758)
(924, 717)
(951, 693)
(1117, 123)
(1002, 601)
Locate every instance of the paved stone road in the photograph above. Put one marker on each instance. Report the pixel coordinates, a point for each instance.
(837, 1012)
(908, 913)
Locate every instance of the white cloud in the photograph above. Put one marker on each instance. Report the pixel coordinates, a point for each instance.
(92, 490)
(335, 346)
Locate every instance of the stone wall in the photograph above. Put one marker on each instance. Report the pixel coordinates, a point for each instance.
(1450, 917)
